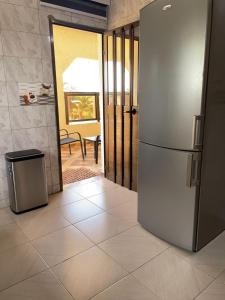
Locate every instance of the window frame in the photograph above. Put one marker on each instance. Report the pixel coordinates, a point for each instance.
(96, 95)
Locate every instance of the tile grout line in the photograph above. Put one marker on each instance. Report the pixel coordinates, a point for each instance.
(42, 260)
(46, 270)
(128, 273)
(109, 238)
(201, 292)
(66, 259)
(93, 246)
(131, 272)
(31, 240)
(50, 268)
(49, 211)
(21, 281)
(60, 283)
(127, 276)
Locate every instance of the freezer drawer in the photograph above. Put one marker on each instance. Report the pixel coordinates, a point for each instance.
(167, 193)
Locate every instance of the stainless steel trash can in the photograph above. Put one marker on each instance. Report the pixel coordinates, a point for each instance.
(26, 180)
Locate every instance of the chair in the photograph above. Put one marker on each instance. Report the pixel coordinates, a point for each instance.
(96, 140)
(66, 139)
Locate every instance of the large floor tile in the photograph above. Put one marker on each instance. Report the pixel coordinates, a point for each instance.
(102, 227)
(93, 188)
(210, 259)
(43, 286)
(130, 195)
(216, 290)
(80, 210)
(19, 263)
(133, 248)
(5, 217)
(126, 289)
(112, 198)
(105, 182)
(11, 236)
(126, 211)
(41, 222)
(170, 277)
(88, 273)
(77, 184)
(61, 245)
(62, 198)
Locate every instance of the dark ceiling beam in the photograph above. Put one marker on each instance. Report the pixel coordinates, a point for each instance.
(86, 6)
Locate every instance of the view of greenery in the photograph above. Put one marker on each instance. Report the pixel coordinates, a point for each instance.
(81, 107)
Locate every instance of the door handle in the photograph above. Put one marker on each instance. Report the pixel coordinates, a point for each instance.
(193, 169)
(197, 138)
(132, 111)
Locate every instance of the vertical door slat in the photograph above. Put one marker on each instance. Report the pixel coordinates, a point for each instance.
(127, 116)
(118, 109)
(131, 100)
(106, 103)
(111, 133)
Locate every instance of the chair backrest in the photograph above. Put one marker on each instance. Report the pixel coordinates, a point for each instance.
(63, 133)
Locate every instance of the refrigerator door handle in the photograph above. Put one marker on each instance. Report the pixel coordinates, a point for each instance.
(193, 169)
(197, 136)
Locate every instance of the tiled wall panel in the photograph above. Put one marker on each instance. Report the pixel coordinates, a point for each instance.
(122, 12)
(25, 56)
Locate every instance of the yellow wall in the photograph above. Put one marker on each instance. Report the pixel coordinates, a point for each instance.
(69, 44)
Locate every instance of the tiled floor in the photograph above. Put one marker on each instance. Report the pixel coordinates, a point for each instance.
(87, 244)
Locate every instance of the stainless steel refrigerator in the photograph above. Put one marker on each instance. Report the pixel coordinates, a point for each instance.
(182, 121)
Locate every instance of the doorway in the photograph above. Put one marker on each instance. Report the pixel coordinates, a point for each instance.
(77, 60)
(121, 104)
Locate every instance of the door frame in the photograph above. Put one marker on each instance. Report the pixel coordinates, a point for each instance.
(53, 21)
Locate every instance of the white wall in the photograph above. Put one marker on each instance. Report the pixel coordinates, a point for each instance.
(25, 57)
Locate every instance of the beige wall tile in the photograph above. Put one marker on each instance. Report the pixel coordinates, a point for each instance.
(27, 117)
(30, 138)
(2, 74)
(21, 44)
(122, 12)
(4, 119)
(18, 18)
(3, 94)
(23, 69)
(12, 93)
(27, 3)
(6, 141)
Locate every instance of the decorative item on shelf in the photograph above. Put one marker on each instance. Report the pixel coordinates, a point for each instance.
(32, 97)
(26, 99)
(46, 90)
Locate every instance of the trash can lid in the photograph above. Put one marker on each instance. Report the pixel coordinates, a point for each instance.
(23, 155)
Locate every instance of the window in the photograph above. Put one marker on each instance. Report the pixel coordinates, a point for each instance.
(81, 107)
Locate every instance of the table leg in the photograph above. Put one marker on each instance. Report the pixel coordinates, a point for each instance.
(96, 152)
(85, 150)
